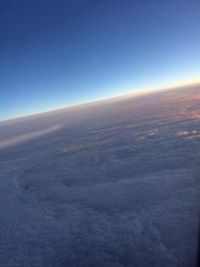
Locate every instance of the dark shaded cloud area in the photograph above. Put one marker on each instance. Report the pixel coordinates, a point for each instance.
(110, 184)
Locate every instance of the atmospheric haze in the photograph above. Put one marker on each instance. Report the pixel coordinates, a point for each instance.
(107, 184)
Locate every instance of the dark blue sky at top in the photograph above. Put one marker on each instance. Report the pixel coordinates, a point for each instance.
(56, 53)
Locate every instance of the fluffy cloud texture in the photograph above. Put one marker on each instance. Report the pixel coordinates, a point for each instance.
(116, 184)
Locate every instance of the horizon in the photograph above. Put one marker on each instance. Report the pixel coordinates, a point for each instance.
(138, 92)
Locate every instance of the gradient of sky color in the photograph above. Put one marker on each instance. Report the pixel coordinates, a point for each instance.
(56, 53)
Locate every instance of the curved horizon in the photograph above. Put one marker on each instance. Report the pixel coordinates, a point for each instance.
(136, 92)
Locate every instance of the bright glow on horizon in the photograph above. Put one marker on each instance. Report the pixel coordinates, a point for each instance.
(175, 85)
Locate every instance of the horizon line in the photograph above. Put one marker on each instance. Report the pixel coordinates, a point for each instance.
(136, 92)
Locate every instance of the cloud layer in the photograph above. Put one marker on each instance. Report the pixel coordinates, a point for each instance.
(116, 186)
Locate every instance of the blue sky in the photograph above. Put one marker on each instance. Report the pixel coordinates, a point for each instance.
(56, 53)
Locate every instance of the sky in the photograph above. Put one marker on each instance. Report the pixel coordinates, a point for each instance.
(57, 53)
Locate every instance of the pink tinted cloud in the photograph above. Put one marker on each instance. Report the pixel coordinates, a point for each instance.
(28, 136)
